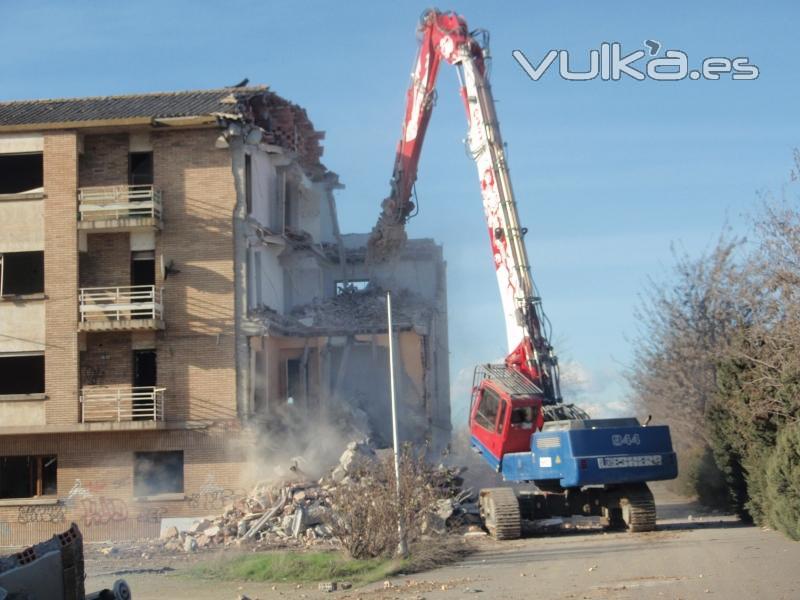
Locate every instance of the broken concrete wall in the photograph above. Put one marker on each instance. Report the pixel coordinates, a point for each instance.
(266, 279)
(348, 374)
(420, 268)
(360, 375)
(303, 205)
(328, 223)
(304, 279)
(264, 177)
(308, 351)
(347, 336)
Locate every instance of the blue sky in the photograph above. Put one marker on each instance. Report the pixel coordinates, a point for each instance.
(607, 174)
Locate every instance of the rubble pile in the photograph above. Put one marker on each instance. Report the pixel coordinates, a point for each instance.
(357, 309)
(349, 312)
(298, 512)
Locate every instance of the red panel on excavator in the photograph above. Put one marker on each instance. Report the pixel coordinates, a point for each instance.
(505, 411)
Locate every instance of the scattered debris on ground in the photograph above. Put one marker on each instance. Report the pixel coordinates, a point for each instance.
(299, 513)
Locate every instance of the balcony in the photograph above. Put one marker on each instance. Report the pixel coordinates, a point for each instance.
(119, 208)
(103, 404)
(132, 308)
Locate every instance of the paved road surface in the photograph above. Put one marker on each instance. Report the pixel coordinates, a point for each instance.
(690, 556)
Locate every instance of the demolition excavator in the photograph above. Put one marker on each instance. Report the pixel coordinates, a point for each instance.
(572, 464)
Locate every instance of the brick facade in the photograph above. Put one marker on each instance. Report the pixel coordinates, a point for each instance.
(209, 373)
(61, 276)
(107, 360)
(107, 261)
(96, 483)
(104, 160)
(195, 351)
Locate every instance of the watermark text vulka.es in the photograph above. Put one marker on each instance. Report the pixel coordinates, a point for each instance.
(608, 63)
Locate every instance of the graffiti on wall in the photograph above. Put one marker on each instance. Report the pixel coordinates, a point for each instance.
(102, 510)
(94, 504)
(212, 496)
(90, 504)
(151, 515)
(41, 513)
(77, 492)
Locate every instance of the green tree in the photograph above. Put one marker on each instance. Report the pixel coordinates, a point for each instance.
(783, 482)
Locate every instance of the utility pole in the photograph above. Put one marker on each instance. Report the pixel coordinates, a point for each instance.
(402, 547)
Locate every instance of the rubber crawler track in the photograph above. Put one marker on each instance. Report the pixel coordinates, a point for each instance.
(639, 509)
(500, 511)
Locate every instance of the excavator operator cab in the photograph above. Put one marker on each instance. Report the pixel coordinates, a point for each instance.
(505, 412)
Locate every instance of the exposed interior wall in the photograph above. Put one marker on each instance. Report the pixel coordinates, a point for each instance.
(349, 373)
(264, 188)
(303, 279)
(421, 269)
(351, 366)
(270, 280)
(307, 204)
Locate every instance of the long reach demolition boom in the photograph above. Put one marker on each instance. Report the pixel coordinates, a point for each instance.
(518, 422)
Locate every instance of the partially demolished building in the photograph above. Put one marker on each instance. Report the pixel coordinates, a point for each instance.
(173, 285)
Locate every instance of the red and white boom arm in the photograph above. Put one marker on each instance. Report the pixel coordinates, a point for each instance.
(445, 36)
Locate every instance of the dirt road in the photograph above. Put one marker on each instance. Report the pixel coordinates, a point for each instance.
(690, 556)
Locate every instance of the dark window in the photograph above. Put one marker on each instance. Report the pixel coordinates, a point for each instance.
(143, 267)
(523, 417)
(144, 375)
(352, 285)
(28, 476)
(144, 368)
(487, 409)
(22, 374)
(21, 273)
(21, 172)
(296, 381)
(248, 183)
(140, 168)
(143, 272)
(157, 473)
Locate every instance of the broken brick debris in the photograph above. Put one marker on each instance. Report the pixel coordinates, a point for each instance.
(296, 513)
(354, 311)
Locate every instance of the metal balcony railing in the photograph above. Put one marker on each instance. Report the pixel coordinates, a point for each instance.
(118, 202)
(121, 303)
(117, 404)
